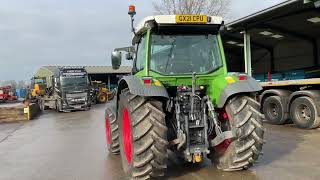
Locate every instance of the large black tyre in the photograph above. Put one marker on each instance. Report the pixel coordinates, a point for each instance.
(246, 119)
(41, 104)
(147, 136)
(274, 110)
(112, 131)
(304, 113)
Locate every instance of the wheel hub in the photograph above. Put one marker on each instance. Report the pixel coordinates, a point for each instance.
(273, 110)
(127, 135)
(304, 112)
(221, 148)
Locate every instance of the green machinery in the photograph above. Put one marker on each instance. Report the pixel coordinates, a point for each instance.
(180, 97)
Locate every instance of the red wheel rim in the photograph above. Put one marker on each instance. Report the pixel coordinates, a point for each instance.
(126, 135)
(108, 134)
(222, 147)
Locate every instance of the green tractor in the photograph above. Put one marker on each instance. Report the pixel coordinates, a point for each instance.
(180, 97)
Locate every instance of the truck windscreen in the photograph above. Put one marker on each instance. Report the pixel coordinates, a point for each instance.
(74, 79)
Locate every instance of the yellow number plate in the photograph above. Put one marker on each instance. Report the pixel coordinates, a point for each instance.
(191, 19)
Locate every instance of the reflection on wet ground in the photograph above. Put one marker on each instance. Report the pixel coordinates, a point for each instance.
(69, 146)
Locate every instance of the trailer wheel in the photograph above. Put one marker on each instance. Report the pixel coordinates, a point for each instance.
(242, 151)
(304, 113)
(274, 110)
(112, 132)
(143, 136)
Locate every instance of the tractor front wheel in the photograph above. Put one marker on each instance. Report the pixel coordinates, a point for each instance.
(112, 132)
(242, 151)
(143, 136)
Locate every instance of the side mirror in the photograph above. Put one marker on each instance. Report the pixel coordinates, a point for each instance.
(116, 57)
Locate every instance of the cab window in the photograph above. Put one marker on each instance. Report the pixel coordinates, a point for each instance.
(141, 54)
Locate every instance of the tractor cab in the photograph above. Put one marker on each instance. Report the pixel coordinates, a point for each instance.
(177, 45)
(38, 86)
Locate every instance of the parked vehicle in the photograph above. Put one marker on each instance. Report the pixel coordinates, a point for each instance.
(7, 93)
(66, 88)
(180, 97)
(100, 93)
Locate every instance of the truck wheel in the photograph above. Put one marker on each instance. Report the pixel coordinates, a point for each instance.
(242, 151)
(143, 136)
(59, 106)
(41, 105)
(112, 133)
(274, 110)
(304, 113)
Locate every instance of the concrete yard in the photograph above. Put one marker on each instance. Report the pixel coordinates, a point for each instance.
(71, 146)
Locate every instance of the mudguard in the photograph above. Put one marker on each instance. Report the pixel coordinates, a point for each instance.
(314, 94)
(244, 86)
(136, 87)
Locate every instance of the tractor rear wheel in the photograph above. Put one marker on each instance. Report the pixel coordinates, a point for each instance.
(143, 136)
(112, 132)
(241, 152)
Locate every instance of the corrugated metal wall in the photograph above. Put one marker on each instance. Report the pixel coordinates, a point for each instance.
(261, 61)
(291, 55)
(288, 55)
(319, 51)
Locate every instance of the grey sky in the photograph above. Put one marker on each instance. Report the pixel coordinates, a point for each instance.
(73, 32)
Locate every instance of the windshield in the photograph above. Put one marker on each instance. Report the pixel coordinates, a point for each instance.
(184, 54)
(75, 83)
(39, 81)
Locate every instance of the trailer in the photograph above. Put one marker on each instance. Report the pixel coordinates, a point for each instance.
(280, 48)
(66, 88)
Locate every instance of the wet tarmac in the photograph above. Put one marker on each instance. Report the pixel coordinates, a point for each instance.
(71, 146)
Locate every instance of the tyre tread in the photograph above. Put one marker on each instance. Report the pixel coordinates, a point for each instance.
(246, 148)
(149, 136)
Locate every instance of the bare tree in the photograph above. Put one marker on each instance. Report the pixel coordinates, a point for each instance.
(209, 7)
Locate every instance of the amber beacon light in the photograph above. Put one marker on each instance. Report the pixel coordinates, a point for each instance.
(132, 10)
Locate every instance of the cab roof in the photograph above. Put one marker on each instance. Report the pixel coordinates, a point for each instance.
(168, 20)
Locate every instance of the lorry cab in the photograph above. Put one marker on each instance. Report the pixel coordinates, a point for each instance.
(66, 88)
(72, 86)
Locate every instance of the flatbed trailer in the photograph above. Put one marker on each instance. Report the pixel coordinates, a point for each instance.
(284, 83)
(284, 101)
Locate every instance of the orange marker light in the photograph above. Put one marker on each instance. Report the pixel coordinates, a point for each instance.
(132, 10)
